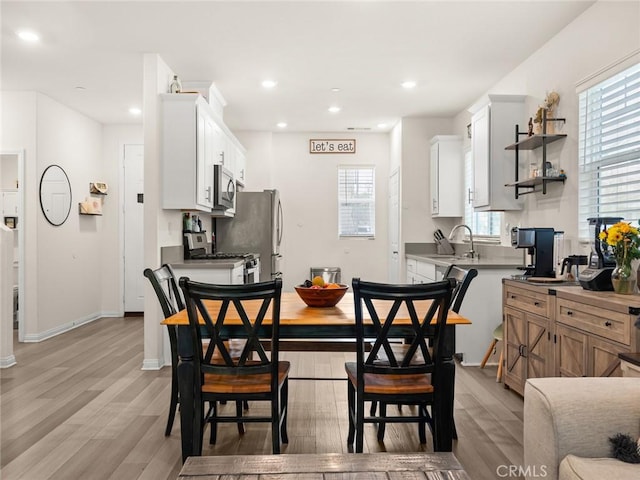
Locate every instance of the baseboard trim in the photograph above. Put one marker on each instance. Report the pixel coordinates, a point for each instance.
(8, 361)
(53, 332)
(152, 364)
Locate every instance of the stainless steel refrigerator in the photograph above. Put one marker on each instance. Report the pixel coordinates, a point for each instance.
(256, 228)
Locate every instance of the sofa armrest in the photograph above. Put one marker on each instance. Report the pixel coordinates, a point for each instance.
(576, 415)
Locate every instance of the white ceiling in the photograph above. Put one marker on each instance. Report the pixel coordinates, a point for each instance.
(454, 50)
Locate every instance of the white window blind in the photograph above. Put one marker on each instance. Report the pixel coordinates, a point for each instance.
(609, 149)
(485, 224)
(356, 202)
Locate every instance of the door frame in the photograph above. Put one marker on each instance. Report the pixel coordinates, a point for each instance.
(21, 222)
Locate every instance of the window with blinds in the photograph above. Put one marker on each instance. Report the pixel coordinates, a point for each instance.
(356, 202)
(609, 149)
(485, 224)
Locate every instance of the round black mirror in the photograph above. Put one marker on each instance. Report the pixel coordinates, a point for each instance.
(55, 195)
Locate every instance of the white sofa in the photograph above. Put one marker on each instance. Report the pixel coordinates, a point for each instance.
(567, 424)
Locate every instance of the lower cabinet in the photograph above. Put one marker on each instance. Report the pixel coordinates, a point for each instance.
(222, 276)
(565, 332)
(527, 337)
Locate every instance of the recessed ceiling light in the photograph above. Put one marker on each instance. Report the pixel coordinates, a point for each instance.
(334, 109)
(382, 125)
(408, 84)
(335, 89)
(281, 124)
(135, 111)
(28, 36)
(269, 83)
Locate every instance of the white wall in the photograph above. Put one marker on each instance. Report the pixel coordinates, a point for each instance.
(603, 34)
(417, 223)
(69, 270)
(308, 186)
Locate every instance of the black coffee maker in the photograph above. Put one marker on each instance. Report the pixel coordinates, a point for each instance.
(539, 245)
(597, 275)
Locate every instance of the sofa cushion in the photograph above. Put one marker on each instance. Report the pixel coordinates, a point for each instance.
(580, 468)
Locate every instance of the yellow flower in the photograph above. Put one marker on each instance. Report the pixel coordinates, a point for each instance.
(602, 235)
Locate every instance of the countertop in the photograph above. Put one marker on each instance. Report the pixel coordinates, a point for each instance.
(174, 256)
(479, 263)
(628, 304)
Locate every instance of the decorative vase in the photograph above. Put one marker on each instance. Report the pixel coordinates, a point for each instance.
(623, 279)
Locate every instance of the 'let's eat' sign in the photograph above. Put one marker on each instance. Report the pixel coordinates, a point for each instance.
(332, 146)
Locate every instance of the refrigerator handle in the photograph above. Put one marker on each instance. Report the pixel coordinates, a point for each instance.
(280, 222)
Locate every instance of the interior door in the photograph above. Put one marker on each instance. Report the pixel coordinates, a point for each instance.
(394, 227)
(133, 228)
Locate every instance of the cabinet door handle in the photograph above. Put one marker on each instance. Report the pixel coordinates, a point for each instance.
(469, 196)
(607, 323)
(536, 304)
(513, 297)
(569, 312)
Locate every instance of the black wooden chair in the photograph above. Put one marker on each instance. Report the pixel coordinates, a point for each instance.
(407, 378)
(463, 280)
(263, 378)
(165, 284)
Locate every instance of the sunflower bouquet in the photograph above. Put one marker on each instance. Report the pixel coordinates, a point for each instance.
(624, 242)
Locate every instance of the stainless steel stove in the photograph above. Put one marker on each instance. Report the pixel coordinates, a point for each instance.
(196, 247)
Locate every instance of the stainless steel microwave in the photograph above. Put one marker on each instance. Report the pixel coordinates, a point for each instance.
(224, 185)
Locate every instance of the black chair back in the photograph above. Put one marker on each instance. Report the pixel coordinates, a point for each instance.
(165, 285)
(463, 279)
(253, 359)
(388, 300)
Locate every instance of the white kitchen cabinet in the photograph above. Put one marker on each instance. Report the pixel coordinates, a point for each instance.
(188, 152)
(447, 176)
(220, 276)
(241, 165)
(419, 271)
(492, 128)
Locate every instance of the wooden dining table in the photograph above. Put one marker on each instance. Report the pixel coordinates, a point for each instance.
(325, 466)
(298, 322)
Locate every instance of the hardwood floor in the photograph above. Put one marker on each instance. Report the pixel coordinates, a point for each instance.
(79, 406)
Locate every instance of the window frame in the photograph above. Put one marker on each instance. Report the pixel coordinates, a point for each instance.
(370, 170)
(607, 154)
(473, 218)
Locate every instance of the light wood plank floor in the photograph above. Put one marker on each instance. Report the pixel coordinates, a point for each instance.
(79, 406)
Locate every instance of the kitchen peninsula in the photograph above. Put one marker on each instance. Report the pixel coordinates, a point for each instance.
(482, 303)
(565, 331)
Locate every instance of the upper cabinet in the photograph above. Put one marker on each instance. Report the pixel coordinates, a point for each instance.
(447, 175)
(194, 139)
(188, 152)
(491, 129)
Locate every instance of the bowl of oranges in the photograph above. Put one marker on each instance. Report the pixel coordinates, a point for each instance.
(318, 293)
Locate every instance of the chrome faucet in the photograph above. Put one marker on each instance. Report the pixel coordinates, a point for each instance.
(471, 253)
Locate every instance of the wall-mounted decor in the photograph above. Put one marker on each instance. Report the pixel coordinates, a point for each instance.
(90, 206)
(317, 145)
(98, 188)
(55, 195)
(11, 222)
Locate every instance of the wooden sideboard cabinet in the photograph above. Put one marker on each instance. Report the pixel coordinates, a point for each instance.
(565, 331)
(589, 339)
(527, 335)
